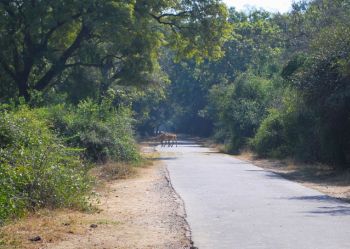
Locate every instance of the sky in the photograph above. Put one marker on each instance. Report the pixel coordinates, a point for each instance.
(270, 5)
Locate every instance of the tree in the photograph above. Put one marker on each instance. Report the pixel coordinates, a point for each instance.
(43, 39)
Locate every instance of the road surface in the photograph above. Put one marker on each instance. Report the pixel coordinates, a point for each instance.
(235, 205)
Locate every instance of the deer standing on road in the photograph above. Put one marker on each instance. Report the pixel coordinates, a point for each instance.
(168, 138)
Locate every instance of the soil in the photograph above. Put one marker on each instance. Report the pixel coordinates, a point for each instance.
(139, 212)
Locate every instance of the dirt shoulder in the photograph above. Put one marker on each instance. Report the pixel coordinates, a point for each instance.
(139, 212)
(316, 176)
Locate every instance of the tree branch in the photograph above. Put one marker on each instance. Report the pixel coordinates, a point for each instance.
(8, 69)
(83, 65)
(112, 56)
(57, 26)
(59, 65)
(183, 13)
(172, 24)
(175, 27)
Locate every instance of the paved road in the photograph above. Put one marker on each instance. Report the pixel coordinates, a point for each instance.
(235, 205)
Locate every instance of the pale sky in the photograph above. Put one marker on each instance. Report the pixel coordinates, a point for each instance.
(270, 5)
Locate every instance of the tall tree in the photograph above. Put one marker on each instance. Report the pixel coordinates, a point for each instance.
(42, 39)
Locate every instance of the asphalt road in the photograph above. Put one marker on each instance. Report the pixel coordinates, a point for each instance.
(235, 205)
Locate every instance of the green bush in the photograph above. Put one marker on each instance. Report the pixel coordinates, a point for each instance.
(36, 169)
(105, 133)
(238, 109)
(290, 131)
(270, 138)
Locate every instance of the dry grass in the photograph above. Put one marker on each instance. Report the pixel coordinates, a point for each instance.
(212, 144)
(114, 171)
(50, 225)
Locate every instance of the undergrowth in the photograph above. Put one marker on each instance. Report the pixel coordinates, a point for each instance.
(36, 168)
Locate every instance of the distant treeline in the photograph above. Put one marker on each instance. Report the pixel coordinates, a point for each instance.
(282, 88)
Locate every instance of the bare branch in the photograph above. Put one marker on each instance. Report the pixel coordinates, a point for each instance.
(183, 13)
(83, 65)
(173, 25)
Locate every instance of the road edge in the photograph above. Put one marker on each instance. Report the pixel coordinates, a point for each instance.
(182, 206)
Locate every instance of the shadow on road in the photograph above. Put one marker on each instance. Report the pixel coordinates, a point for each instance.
(333, 211)
(164, 158)
(267, 174)
(335, 208)
(318, 198)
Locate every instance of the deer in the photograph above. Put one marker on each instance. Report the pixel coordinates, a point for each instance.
(169, 138)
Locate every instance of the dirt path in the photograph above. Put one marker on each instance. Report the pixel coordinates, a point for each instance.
(141, 212)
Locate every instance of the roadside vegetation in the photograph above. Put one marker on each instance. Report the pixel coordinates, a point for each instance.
(37, 169)
(46, 153)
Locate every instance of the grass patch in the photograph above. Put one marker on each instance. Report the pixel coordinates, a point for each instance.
(50, 225)
(113, 171)
(214, 145)
(107, 222)
(119, 170)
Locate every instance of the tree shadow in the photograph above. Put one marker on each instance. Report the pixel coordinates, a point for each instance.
(164, 158)
(307, 172)
(328, 205)
(339, 210)
(317, 198)
(267, 174)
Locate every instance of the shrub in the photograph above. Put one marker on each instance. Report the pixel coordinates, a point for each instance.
(290, 131)
(270, 138)
(105, 133)
(36, 169)
(238, 109)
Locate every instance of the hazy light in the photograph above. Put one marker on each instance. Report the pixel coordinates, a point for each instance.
(270, 5)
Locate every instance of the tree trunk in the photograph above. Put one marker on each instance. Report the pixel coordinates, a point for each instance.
(23, 90)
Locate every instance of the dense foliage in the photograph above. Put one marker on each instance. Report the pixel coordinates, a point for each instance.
(51, 43)
(102, 131)
(281, 88)
(36, 168)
